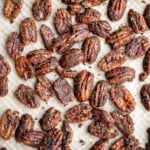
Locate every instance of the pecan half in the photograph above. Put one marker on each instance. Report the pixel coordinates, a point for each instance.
(83, 85)
(3, 86)
(72, 1)
(92, 3)
(100, 145)
(147, 15)
(73, 9)
(122, 98)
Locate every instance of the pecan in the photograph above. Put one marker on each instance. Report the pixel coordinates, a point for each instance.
(38, 56)
(5, 67)
(41, 9)
(52, 141)
(146, 66)
(120, 75)
(116, 9)
(122, 98)
(63, 43)
(8, 124)
(3, 86)
(88, 16)
(44, 88)
(147, 15)
(99, 94)
(137, 47)
(101, 28)
(72, 1)
(103, 116)
(12, 9)
(123, 122)
(27, 96)
(32, 138)
(14, 45)
(67, 135)
(64, 91)
(28, 31)
(83, 85)
(73, 9)
(79, 32)
(92, 3)
(66, 73)
(120, 37)
(71, 58)
(24, 68)
(136, 21)
(125, 143)
(112, 60)
(100, 145)
(50, 119)
(102, 130)
(26, 124)
(145, 96)
(91, 48)
(47, 36)
(62, 21)
(46, 66)
(79, 113)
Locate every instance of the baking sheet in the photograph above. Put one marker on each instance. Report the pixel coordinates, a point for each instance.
(140, 116)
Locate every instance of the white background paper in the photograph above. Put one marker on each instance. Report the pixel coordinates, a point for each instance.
(140, 116)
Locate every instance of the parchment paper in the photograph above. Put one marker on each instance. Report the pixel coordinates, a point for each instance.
(140, 116)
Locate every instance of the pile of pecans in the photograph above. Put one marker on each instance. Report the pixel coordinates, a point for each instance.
(37, 63)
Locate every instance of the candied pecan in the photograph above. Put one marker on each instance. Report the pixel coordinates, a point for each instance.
(28, 31)
(12, 9)
(24, 68)
(66, 73)
(122, 98)
(91, 48)
(72, 1)
(147, 15)
(41, 9)
(14, 45)
(73, 9)
(103, 116)
(44, 88)
(84, 85)
(38, 56)
(137, 47)
(123, 122)
(47, 36)
(3, 86)
(99, 94)
(71, 58)
(112, 60)
(27, 96)
(50, 119)
(8, 124)
(63, 43)
(101, 28)
(100, 145)
(146, 66)
(64, 91)
(26, 124)
(120, 75)
(145, 96)
(125, 143)
(52, 140)
(5, 67)
(32, 138)
(102, 130)
(116, 9)
(67, 136)
(46, 66)
(136, 21)
(92, 3)
(79, 113)
(3, 148)
(79, 32)
(62, 21)
(120, 37)
(88, 16)
(148, 131)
